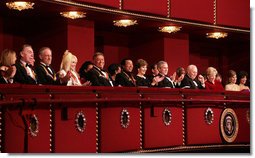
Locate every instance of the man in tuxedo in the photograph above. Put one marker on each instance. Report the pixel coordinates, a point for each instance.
(46, 74)
(126, 78)
(190, 81)
(154, 72)
(25, 73)
(165, 79)
(97, 75)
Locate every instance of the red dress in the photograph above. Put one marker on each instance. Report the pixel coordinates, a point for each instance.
(216, 86)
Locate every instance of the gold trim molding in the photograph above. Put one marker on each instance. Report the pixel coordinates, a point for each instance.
(190, 148)
(215, 12)
(138, 15)
(120, 4)
(168, 8)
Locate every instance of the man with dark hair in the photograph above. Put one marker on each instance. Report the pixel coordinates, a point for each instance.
(114, 69)
(154, 72)
(84, 69)
(126, 78)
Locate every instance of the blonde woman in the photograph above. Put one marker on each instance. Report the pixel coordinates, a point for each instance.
(68, 70)
(211, 83)
(232, 86)
(7, 66)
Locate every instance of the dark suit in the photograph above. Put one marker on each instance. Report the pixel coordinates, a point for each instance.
(125, 79)
(45, 76)
(2, 80)
(150, 77)
(187, 82)
(166, 82)
(98, 78)
(21, 75)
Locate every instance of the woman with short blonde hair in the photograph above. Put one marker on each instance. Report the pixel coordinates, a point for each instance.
(211, 83)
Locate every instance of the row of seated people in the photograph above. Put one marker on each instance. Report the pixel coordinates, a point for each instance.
(93, 74)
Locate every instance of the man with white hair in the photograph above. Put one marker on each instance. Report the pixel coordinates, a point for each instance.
(190, 81)
(25, 73)
(97, 75)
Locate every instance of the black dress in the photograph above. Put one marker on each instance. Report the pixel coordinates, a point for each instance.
(142, 81)
(2, 80)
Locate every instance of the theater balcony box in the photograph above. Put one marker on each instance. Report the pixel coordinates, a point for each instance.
(162, 117)
(26, 122)
(74, 119)
(202, 116)
(119, 121)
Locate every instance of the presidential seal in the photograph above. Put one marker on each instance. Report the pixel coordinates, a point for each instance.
(33, 125)
(124, 118)
(80, 121)
(209, 116)
(167, 116)
(229, 125)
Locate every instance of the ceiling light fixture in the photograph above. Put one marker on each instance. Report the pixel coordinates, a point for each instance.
(170, 29)
(216, 35)
(124, 23)
(73, 14)
(20, 5)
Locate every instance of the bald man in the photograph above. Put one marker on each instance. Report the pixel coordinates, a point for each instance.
(190, 79)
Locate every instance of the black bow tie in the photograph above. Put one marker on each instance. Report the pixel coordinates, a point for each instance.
(28, 65)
